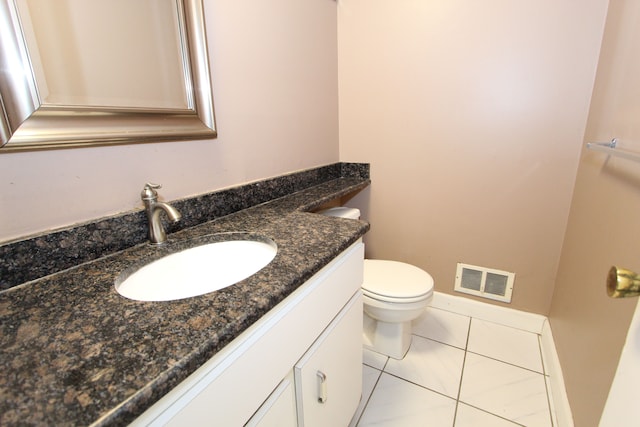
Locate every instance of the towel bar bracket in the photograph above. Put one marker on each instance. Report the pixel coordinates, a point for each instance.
(610, 149)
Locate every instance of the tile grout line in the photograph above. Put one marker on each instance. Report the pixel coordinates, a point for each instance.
(517, 328)
(364, 407)
(545, 377)
(464, 361)
(507, 363)
(373, 389)
(419, 385)
(466, 350)
(494, 415)
(438, 341)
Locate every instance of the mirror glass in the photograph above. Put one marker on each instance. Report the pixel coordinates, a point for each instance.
(81, 72)
(75, 47)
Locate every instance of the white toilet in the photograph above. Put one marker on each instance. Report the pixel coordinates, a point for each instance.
(395, 293)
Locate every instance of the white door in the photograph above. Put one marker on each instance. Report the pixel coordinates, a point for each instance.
(622, 403)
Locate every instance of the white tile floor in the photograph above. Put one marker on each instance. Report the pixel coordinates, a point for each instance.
(460, 371)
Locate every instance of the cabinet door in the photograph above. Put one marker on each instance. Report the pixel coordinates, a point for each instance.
(279, 410)
(329, 376)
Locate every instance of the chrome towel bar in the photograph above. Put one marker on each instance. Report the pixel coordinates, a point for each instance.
(610, 148)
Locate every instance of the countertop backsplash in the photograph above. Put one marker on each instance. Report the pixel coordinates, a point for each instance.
(37, 256)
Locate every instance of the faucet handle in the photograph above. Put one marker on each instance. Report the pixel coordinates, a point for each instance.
(149, 191)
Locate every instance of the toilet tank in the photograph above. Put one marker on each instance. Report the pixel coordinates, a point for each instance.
(342, 212)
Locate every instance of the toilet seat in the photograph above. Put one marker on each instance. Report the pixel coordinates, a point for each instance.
(396, 282)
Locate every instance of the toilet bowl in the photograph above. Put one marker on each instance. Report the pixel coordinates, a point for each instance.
(394, 294)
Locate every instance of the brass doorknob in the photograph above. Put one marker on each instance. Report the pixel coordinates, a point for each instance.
(622, 283)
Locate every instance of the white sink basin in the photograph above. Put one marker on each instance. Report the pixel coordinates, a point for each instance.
(197, 271)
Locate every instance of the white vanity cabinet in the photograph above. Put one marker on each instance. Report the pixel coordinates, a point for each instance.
(279, 410)
(271, 375)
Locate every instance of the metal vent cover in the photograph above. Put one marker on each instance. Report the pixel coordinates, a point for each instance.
(484, 282)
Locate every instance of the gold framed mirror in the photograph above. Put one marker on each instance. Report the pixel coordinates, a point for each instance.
(102, 72)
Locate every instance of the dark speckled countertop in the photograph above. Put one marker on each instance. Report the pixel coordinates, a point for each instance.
(75, 352)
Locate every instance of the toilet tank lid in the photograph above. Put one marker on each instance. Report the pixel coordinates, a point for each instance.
(342, 212)
(396, 279)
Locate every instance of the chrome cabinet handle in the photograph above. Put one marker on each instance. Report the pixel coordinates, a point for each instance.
(322, 387)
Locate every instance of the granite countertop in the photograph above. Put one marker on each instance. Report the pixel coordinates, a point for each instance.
(75, 352)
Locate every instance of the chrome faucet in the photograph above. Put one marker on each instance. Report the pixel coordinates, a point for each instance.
(153, 207)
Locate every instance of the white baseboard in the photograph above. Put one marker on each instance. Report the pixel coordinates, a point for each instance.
(535, 323)
(506, 316)
(560, 409)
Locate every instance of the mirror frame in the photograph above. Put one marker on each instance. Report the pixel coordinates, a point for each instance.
(27, 124)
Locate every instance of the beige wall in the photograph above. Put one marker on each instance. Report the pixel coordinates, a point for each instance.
(472, 116)
(590, 328)
(274, 67)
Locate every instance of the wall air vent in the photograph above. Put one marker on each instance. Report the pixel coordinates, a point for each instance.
(484, 282)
